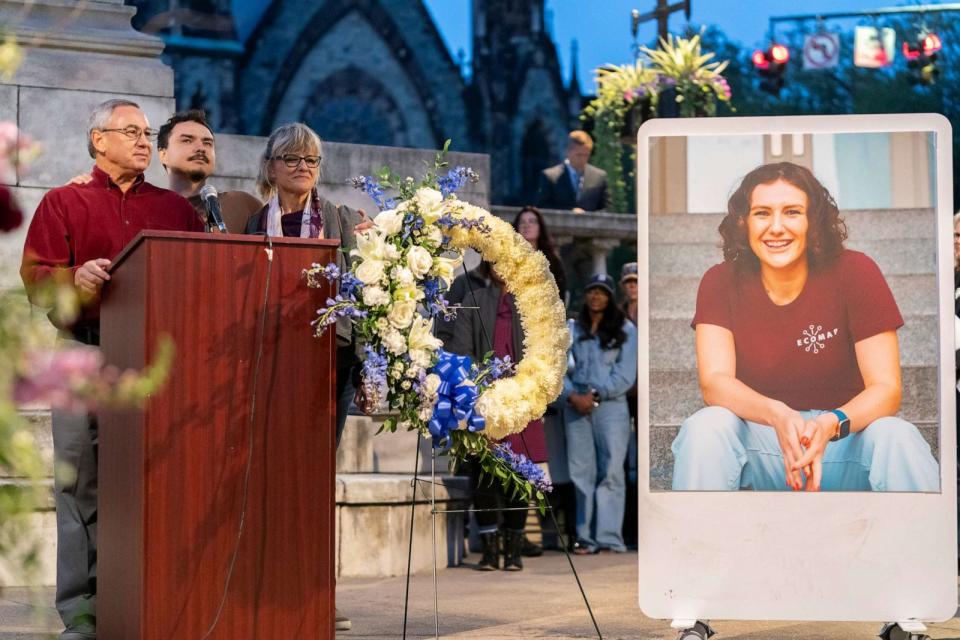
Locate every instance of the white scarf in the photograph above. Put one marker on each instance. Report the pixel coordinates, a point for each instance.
(275, 228)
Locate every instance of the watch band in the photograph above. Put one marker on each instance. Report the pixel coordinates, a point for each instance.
(843, 427)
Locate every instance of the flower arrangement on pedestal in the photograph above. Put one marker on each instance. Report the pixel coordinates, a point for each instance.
(402, 267)
(627, 95)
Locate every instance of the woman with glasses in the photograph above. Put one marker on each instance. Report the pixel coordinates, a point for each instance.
(290, 169)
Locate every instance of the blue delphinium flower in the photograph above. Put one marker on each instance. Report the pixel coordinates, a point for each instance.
(373, 189)
(523, 466)
(455, 179)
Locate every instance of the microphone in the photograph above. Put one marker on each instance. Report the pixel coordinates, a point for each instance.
(212, 204)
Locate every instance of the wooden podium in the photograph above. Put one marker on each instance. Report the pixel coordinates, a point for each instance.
(178, 478)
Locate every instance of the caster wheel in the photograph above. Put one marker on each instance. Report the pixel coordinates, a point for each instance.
(699, 631)
(892, 631)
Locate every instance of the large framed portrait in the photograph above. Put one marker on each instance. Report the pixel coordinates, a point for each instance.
(797, 393)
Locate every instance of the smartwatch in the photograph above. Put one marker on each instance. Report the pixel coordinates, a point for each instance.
(843, 428)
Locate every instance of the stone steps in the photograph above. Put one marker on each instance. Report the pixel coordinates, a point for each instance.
(675, 394)
(672, 342)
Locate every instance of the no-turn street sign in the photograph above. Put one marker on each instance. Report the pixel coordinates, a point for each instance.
(821, 51)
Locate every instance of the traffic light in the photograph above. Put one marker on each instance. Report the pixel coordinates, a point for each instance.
(922, 58)
(771, 64)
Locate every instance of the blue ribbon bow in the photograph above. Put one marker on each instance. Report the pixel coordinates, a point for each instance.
(457, 397)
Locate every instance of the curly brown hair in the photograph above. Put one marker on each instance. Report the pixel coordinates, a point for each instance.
(827, 231)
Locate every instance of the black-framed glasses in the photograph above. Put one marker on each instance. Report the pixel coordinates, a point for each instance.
(293, 161)
(134, 133)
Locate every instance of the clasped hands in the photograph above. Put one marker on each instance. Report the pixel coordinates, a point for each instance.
(803, 443)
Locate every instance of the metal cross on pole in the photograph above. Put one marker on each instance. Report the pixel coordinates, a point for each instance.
(661, 14)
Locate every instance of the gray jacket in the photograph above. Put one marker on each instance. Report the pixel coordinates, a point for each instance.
(338, 223)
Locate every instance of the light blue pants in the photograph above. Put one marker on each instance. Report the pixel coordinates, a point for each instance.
(717, 451)
(596, 450)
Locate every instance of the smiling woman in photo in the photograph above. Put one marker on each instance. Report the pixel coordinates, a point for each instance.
(797, 355)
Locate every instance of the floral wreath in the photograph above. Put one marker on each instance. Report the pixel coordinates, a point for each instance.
(394, 291)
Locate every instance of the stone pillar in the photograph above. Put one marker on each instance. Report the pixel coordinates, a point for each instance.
(599, 249)
(77, 54)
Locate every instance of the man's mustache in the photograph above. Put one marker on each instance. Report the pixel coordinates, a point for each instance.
(199, 156)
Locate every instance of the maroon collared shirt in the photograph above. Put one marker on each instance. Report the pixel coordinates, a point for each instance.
(76, 223)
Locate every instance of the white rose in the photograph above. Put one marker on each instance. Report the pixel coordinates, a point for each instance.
(419, 261)
(431, 384)
(389, 222)
(370, 271)
(375, 297)
(425, 413)
(382, 325)
(394, 343)
(430, 204)
(420, 338)
(401, 314)
(405, 385)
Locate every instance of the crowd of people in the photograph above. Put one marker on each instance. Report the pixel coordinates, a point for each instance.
(79, 227)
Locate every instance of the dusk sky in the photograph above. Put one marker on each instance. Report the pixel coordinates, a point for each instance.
(602, 27)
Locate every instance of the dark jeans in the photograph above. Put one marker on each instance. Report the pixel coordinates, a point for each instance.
(347, 364)
(489, 494)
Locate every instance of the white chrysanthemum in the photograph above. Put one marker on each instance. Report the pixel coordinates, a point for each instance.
(375, 296)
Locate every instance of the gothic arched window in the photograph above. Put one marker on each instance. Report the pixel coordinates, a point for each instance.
(352, 106)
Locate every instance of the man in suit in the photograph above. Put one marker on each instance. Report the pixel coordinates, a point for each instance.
(574, 184)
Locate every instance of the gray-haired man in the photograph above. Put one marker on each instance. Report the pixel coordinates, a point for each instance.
(75, 233)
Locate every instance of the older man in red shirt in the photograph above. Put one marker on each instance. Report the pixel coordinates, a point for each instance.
(75, 233)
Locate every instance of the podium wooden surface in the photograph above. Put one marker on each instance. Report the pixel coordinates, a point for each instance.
(176, 478)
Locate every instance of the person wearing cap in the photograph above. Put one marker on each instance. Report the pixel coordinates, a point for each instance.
(602, 367)
(629, 287)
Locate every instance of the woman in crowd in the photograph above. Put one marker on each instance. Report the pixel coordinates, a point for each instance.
(529, 224)
(797, 355)
(490, 322)
(602, 368)
(290, 170)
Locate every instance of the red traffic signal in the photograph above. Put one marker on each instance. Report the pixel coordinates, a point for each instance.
(931, 44)
(759, 59)
(779, 54)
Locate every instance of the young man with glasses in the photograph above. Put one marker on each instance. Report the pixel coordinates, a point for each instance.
(187, 150)
(73, 236)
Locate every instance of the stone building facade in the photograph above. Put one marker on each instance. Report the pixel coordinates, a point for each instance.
(377, 72)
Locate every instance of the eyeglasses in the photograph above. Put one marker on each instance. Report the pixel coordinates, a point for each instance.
(293, 161)
(134, 133)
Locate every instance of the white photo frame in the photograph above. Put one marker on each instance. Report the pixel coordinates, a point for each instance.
(844, 556)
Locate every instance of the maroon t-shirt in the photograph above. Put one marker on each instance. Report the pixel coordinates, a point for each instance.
(801, 353)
